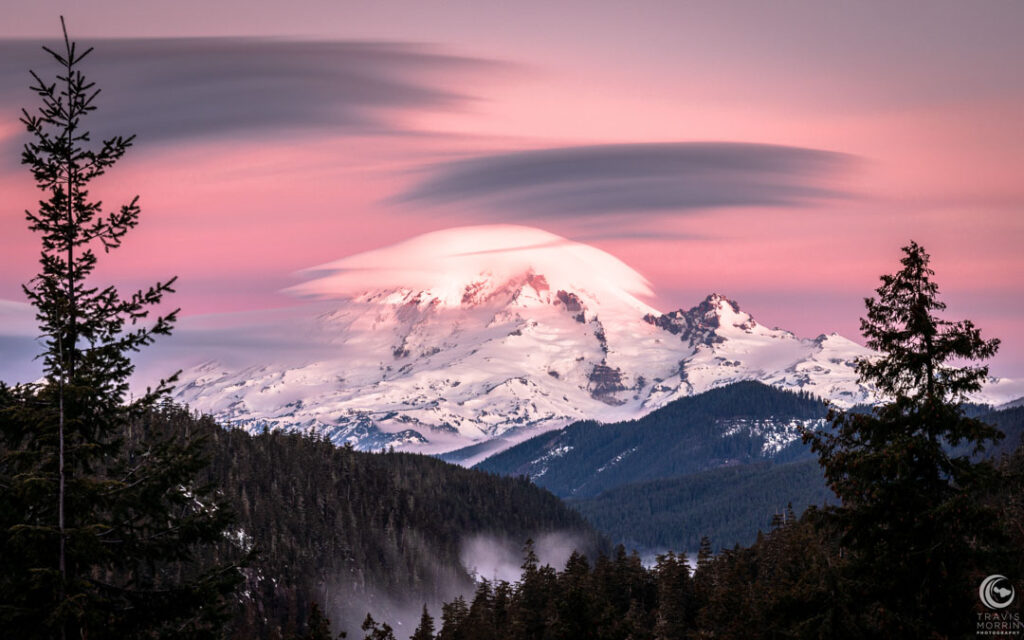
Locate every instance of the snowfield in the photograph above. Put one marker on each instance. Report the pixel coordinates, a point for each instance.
(466, 335)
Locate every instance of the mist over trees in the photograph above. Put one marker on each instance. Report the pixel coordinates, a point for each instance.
(921, 520)
(127, 517)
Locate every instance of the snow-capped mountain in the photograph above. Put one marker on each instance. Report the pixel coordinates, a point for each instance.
(466, 335)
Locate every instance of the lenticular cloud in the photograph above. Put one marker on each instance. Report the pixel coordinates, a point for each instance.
(449, 260)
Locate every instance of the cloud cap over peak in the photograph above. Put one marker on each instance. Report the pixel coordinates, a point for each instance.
(617, 178)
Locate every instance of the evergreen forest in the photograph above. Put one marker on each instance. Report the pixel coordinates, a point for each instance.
(125, 516)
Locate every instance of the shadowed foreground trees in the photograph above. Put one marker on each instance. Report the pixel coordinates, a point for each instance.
(795, 581)
(923, 517)
(910, 520)
(100, 514)
(110, 524)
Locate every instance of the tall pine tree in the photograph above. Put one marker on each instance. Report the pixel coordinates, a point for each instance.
(425, 629)
(99, 513)
(910, 518)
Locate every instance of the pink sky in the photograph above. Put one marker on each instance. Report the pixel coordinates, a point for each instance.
(926, 100)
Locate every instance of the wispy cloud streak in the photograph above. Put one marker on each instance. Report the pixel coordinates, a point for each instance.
(173, 89)
(608, 179)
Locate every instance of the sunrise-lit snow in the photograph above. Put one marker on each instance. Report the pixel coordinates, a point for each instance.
(446, 262)
(500, 332)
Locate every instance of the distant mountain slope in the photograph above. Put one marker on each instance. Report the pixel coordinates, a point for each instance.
(1011, 422)
(739, 423)
(1019, 402)
(729, 505)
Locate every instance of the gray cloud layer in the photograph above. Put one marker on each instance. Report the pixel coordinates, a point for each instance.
(168, 89)
(609, 179)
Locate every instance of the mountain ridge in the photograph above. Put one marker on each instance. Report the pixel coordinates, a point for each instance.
(469, 335)
(737, 424)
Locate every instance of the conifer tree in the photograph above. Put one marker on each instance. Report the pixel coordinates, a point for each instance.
(377, 630)
(529, 609)
(100, 512)
(910, 517)
(479, 622)
(453, 618)
(702, 581)
(425, 629)
(674, 614)
(573, 610)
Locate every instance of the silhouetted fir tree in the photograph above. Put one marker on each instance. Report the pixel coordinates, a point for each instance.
(704, 552)
(618, 581)
(910, 518)
(101, 516)
(502, 600)
(729, 602)
(531, 600)
(573, 608)
(377, 630)
(425, 629)
(479, 622)
(790, 583)
(702, 581)
(675, 613)
(453, 617)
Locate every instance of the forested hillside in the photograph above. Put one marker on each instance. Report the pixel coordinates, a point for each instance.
(793, 581)
(731, 504)
(735, 424)
(728, 505)
(356, 531)
(720, 464)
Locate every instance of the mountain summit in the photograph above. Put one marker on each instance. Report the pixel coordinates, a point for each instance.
(469, 266)
(495, 333)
